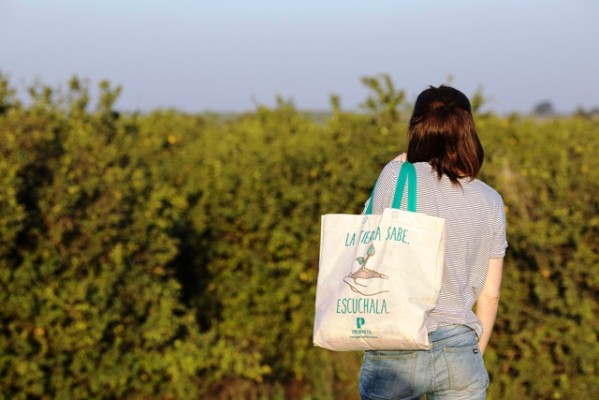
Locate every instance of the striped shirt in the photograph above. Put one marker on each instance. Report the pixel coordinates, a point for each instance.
(475, 232)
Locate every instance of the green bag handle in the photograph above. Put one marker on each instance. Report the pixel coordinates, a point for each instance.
(406, 174)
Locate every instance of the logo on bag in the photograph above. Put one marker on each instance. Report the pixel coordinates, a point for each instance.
(366, 281)
(360, 333)
(360, 321)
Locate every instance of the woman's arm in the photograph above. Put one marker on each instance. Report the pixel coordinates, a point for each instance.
(488, 301)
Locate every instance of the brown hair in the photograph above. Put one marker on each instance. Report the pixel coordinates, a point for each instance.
(442, 133)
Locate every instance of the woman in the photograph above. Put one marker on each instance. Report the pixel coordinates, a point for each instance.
(444, 147)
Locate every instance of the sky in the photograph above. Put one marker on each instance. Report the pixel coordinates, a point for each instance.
(230, 56)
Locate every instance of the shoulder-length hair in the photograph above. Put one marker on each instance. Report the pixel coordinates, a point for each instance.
(442, 133)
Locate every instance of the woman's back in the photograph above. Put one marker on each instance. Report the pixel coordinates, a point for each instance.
(475, 232)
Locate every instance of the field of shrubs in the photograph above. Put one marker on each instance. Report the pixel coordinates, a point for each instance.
(167, 255)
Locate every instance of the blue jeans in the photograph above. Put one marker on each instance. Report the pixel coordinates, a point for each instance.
(452, 369)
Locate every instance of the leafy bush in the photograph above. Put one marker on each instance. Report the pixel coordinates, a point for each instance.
(90, 306)
(174, 256)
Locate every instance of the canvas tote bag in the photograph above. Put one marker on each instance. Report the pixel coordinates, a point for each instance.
(379, 275)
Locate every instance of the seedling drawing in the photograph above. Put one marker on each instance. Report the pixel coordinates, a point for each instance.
(364, 273)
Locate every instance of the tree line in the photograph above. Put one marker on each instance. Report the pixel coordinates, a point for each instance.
(169, 255)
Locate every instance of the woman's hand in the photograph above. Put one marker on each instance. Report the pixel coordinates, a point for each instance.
(488, 301)
(402, 157)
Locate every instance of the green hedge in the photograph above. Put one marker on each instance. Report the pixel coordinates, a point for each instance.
(174, 256)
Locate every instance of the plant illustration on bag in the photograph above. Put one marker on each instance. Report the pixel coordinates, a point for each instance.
(367, 274)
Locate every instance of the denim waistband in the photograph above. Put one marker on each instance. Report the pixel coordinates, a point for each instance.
(448, 332)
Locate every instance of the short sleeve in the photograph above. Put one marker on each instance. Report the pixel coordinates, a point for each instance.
(499, 243)
(385, 187)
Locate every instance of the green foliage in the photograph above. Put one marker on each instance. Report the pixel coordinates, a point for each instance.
(175, 256)
(546, 341)
(385, 103)
(90, 305)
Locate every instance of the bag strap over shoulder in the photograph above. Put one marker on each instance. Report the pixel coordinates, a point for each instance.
(407, 174)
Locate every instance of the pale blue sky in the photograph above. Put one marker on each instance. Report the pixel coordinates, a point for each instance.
(225, 55)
